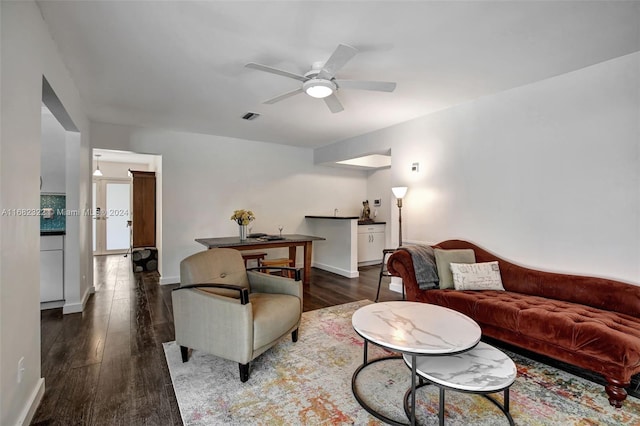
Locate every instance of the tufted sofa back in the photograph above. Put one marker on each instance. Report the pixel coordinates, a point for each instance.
(599, 293)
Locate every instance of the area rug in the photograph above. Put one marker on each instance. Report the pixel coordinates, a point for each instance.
(309, 383)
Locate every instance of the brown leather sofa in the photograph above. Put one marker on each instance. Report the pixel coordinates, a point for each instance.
(592, 323)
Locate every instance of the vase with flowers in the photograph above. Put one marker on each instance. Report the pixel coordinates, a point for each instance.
(243, 218)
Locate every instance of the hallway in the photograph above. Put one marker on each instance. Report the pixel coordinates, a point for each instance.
(106, 366)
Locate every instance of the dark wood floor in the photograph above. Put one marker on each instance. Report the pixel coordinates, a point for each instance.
(106, 366)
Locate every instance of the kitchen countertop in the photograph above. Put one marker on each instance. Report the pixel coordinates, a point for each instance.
(332, 217)
(360, 222)
(44, 233)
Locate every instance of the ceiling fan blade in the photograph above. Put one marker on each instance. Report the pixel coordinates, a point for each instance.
(380, 86)
(272, 70)
(283, 96)
(333, 103)
(338, 59)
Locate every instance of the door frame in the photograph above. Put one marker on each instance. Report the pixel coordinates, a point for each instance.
(100, 221)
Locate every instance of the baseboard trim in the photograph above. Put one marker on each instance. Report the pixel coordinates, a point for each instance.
(32, 404)
(169, 280)
(74, 308)
(370, 262)
(51, 305)
(396, 284)
(339, 271)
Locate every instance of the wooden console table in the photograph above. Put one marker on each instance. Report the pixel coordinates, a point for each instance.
(292, 241)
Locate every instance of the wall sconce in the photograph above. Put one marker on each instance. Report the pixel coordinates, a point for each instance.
(97, 172)
(399, 192)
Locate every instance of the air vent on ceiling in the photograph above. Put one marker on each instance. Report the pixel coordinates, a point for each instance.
(251, 116)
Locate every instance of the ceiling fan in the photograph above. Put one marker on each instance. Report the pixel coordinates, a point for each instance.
(320, 81)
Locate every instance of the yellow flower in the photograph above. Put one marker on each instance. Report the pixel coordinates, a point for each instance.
(243, 217)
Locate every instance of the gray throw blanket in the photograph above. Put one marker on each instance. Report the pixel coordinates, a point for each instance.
(424, 265)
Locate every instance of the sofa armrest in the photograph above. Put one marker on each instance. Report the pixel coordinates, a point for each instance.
(400, 265)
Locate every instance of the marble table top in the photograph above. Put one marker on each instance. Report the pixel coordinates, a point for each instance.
(482, 369)
(416, 328)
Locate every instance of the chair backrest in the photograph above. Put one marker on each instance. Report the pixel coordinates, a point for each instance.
(217, 265)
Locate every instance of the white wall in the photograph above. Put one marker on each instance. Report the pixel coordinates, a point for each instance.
(547, 175)
(53, 154)
(378, 187)
(75, 268)
(205, 178)
(27, 53)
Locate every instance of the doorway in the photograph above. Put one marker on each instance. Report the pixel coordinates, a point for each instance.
(113, 192)
(111, 215)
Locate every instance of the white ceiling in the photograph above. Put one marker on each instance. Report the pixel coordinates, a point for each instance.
(180, 64)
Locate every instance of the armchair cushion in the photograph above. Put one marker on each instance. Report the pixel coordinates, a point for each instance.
(274, 315)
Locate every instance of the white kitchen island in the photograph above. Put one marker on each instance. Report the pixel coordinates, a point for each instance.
(338, 253)
(348, 243)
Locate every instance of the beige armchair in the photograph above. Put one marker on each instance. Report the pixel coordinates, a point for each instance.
(223, 309)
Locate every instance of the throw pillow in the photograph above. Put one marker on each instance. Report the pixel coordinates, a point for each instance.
(445, 257)
(476, 276)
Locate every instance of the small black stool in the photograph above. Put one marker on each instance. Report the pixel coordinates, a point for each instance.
(384, 272)
(144, 259)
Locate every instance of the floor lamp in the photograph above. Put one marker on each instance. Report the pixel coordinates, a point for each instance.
(399, 192)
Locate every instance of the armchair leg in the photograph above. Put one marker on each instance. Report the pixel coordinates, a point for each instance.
(294, 335)
(184, 351)
(244, 372)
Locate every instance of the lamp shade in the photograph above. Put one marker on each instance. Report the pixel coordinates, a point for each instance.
(399, 191)
(97, 172)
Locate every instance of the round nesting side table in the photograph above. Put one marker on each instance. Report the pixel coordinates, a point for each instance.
(413, 329)
(482, 370)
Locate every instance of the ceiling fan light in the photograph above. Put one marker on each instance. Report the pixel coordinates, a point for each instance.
(319, 88)
(319, 91)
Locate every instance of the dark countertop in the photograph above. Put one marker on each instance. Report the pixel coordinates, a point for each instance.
(370, 222)
(52, 232)
(332, 217)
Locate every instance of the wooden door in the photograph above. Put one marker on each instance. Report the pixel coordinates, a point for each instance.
(144, 209)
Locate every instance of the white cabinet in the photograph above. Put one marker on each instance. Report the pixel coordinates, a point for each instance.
(371, 242)
(51, 268)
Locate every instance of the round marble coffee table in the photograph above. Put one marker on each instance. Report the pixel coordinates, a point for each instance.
(414, 329)
(481, 370)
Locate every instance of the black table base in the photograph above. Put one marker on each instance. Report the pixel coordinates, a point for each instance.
(503, 407)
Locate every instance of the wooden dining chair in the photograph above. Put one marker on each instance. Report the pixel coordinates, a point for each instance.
(279, 262)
